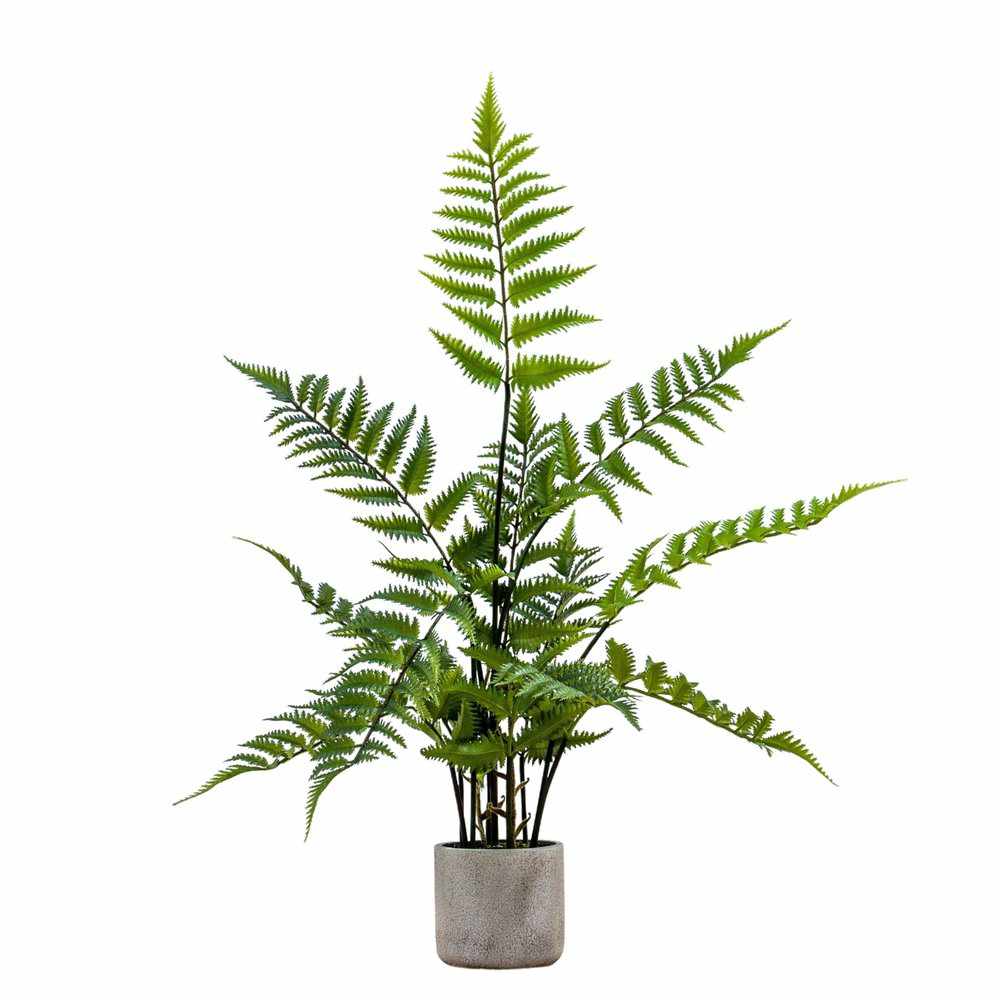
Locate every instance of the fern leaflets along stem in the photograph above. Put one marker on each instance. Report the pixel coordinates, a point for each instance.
(644, 426)
(689, 710)
(393, 687)
(403, 498)
(595, 638)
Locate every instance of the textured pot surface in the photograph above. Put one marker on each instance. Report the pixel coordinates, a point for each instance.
(496, 908)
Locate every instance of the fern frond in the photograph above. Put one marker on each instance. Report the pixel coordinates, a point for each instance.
(678, 691)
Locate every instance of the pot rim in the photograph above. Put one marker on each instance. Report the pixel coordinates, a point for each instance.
(499, 849)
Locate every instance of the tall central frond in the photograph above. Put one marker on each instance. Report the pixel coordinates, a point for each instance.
(497, 204)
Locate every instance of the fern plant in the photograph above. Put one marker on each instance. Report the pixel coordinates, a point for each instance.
(489, 639)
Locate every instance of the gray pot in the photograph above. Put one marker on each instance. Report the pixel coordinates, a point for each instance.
(497, 908)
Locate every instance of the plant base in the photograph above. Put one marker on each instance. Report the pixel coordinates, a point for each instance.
(499, 908)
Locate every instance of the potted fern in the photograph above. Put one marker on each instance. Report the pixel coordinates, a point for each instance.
(490, 637)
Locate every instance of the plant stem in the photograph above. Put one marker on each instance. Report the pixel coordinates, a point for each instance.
(492, 822)
(546, 785)
(456, 784)
(524, 799)
(473, 806)
(511, 817)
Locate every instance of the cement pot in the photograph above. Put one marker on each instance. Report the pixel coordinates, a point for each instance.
(499, 908)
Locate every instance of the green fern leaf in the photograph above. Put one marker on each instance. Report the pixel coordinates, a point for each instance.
(417, 471)
(512, 143)
(618, 467)
(527, 221)
(464, 263)
(401, 526)
(595, 439)
(742, 347)
(467, 213)
(445, 505)
(524, 195)
(535, 284)
(473, 194)
(372, 433)
(482, 322)
(513, 183)
(354, 416)
(466, 291)
(276, 383)
(526, 327)
(468, 174)
(424, 601)
(466, 237)
(317, 395)
(467, 156)
(475, 364)
(524, 417)
(568, 451)
(395, 443)
(373, 496)
(478, 755)
(529, 251)
(621, 661)
(515, 158)
(488, 121)
(539, 371)
(654, 441)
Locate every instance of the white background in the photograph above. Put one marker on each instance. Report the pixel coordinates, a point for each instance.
(184, 180)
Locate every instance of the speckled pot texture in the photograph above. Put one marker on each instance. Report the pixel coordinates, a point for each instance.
(496, 908)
